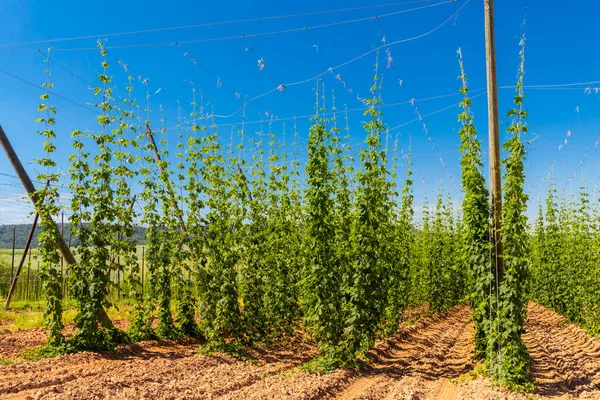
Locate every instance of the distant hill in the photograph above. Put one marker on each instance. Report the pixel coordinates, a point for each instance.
(22, 232)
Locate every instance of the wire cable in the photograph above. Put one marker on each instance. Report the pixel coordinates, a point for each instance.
(243, 36)
(208, 24)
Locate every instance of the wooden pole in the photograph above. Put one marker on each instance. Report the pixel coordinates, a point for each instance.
(30, 189)
(494, 137)
(28, 270)
(12, 265)
(119, 236)
(16, 277)
(67, 272)
(37, 277)
(62, 234)
(143, 260)
(64, 250)
(178, 212)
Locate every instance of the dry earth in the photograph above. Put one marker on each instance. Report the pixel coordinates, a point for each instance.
(429, 360)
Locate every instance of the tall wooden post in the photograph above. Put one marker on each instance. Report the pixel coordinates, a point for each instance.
(64, 250)
(119, 237)
(143, 261)
(494, 136)
(37, 278)
(28, 269)
(12, 265)
(30, 189)
(15, 278)
(62, 234)
(170, 191)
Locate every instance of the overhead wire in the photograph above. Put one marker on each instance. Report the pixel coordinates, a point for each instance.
(360, 109)
(50, 91)
(209, 24)
(331, 69)
(338, 77)
(236, 93)
(278, 81)
(391, 64)
(243, 36)
(381, 47)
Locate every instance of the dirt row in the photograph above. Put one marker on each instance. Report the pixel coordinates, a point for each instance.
(429, 360)
(14, 343)
(566, 360)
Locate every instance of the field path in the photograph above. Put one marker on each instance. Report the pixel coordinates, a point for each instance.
(566, 360)
(420, 361)
(430, 360)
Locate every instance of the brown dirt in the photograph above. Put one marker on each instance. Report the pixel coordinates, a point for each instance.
(566, 360)
(429, 360)
(14, 343)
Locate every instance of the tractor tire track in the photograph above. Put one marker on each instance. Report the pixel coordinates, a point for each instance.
(566, 360)
(422, 361)
(409, 366)
(146, 371)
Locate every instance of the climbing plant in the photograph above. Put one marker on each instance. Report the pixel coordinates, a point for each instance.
(96, 218)
(322, 296)
(46, 201)
(366, 279)
(511, 367)
(475, 216)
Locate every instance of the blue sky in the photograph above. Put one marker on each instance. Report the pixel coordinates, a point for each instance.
(561, 49)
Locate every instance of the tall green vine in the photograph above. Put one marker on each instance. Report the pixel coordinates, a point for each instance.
(512, 367)
(46, 201)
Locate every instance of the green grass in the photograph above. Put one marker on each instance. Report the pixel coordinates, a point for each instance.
(21, 319)
(29, 314)
(25, 314)
(27, 319)
(39, 353)
(26, 305)
(5, 276)
(6, 256)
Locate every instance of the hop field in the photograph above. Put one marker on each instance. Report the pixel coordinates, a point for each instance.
(183, 252)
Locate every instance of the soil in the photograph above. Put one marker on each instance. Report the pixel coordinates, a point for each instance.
(14, 343)
(566, 360)
(431, 359)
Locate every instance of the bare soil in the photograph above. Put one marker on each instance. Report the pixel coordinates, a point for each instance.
(14, 343)
(431, 359)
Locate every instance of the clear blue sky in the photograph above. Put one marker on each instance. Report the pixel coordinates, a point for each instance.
(561, 49)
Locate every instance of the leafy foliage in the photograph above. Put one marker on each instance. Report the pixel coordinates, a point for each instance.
(475, 215)
(565, 272)
(366, 279)
(46, 200)
(101, 199)
(512, 367)
(241, 251)
(322, 298)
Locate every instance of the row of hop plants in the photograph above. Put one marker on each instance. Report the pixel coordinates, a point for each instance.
(249, 249)
(565, 269)
(236, 251)
(499, 305)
